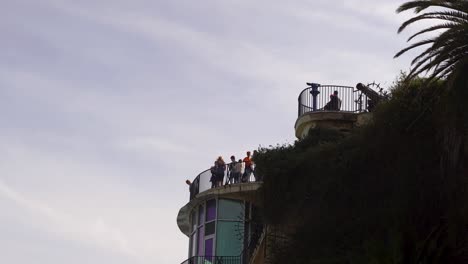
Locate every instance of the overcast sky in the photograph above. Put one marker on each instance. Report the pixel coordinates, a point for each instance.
(106, 107)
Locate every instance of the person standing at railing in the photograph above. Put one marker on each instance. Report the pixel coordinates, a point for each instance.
(213, 178)
(220, 169)
(191, 189)
(248, 168)
(230, 173)
(238, 171)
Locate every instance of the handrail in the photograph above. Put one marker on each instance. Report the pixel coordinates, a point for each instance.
(318, 98)
(203, 181)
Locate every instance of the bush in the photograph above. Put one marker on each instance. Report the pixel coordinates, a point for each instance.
(373, 196)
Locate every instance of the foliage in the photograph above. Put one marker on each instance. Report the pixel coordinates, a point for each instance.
(448, 50)
(378, 195)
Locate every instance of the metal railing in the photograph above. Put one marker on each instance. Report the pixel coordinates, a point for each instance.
(214, 260)
(204, 182)
(318, 97)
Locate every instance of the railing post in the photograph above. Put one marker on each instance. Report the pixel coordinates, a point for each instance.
(314, 93)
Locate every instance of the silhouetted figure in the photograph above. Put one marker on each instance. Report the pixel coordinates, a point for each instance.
(238, 171)
(231, 172)
(334, 104)
(220, 169)
(248, 168)
(213, 178)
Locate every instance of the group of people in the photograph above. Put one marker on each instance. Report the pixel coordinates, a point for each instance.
(234, 171)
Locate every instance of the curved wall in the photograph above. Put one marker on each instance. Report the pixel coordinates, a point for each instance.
(217, 227)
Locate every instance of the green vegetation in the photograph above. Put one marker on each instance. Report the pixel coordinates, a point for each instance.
(378, 195)
(395, 191)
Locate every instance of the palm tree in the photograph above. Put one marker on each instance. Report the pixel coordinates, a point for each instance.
(448, 51)
(446, 57)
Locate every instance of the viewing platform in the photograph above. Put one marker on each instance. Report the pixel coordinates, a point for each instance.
(201, 189)
(331, 107)
(220, 216)
(202, 182)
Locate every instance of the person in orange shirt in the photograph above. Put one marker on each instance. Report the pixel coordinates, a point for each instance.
(248, 168)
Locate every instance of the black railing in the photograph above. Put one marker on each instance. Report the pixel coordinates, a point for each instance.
(321, 98)
(214, 260)
(204, 180)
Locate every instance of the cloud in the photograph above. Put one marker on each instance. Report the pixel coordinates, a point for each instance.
(108, 107)
(155, 145)
(101, 234)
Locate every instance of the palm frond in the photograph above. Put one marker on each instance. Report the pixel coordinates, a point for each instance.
(420, 43)
(433, 28)
(447, 48)
(421, 5)
(453, 16)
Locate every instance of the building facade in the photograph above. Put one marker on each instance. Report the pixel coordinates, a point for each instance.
(219, 221)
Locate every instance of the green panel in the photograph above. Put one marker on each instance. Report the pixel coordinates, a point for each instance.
(230, 210)
(229, 238)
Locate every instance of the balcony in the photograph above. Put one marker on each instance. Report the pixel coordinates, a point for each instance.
(330, 106)
(316, 98)
(203, 182)
(201, 189)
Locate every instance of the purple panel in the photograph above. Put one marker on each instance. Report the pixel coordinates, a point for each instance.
(211, 210)
(209, 248)
(200, 216)
(201, 237)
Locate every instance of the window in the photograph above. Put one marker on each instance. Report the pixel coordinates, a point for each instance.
(229, 238)
(230, 210)
(210, 228)
(209, 248)
(217, 228)
(211, 210)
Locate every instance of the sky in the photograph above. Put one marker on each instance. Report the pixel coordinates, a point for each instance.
(107, 107)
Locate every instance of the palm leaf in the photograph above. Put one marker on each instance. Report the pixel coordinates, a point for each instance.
(421, 5)
(445, 49)
(453, 16)
(433, 28)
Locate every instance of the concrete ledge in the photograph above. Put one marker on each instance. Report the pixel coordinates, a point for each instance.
(241, 191)
(325, 119)
(363, 119)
